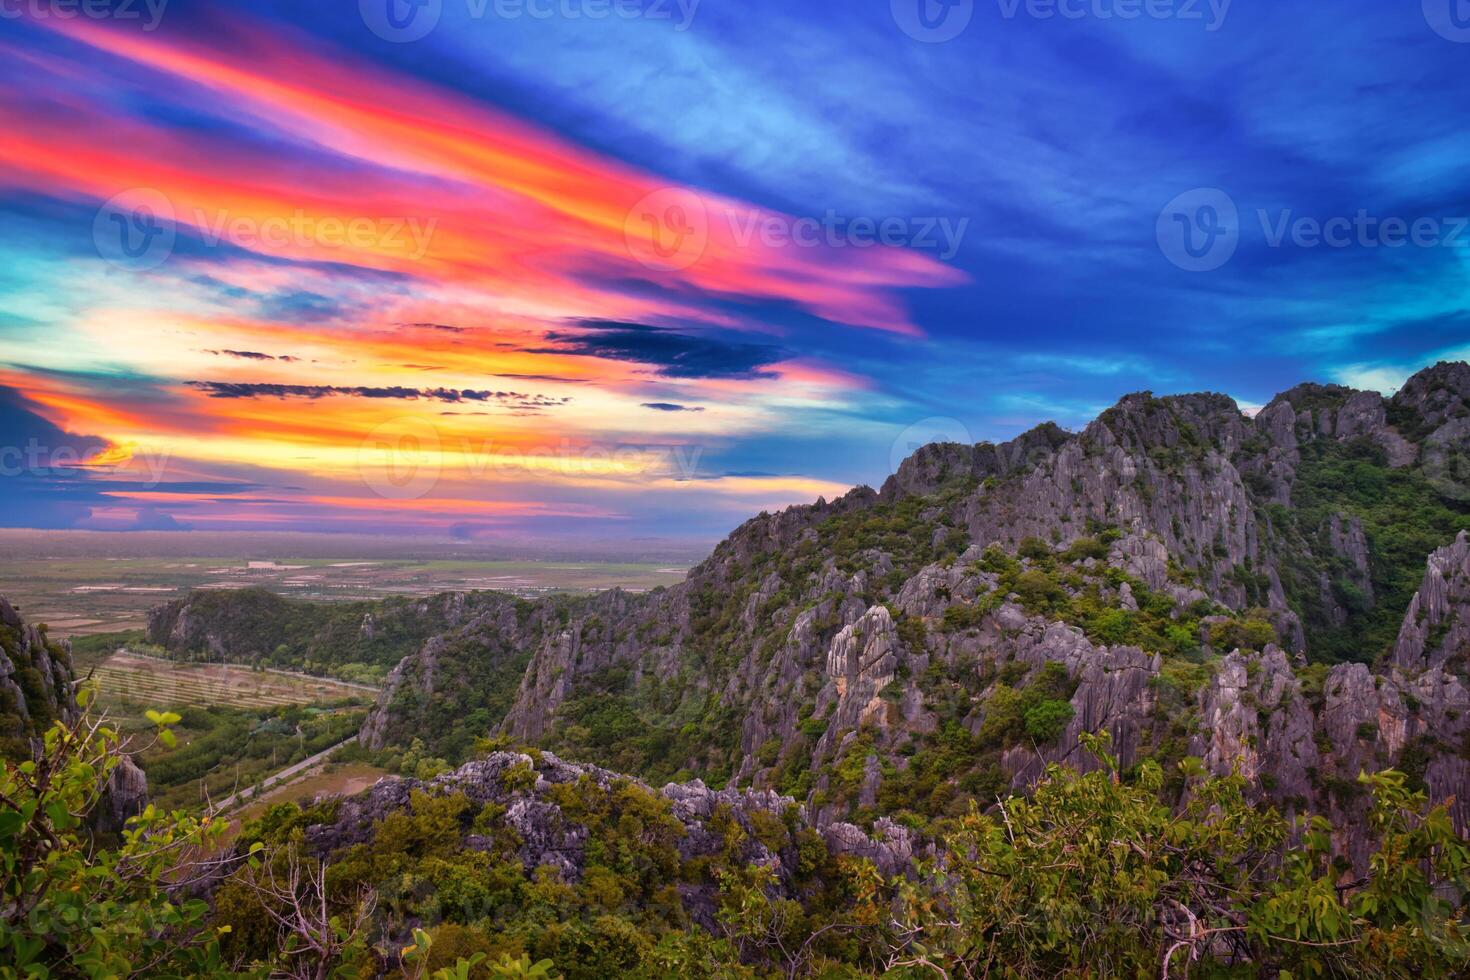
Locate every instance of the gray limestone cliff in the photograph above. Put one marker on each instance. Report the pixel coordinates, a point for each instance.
(38, 689)
(1237, 588)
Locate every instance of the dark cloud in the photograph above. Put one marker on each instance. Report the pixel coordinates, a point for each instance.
(671, 353)
(252, 355)
(42, 485)
(232, 389)
(671, 407)
(25, 432)
(444, 327)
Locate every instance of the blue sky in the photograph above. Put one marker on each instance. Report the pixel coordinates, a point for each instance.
(1045, 162)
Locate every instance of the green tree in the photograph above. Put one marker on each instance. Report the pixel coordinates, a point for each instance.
(1094, 876)
(73, 905)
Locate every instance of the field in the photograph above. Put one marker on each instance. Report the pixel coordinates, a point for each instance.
(222, 751)
(80, 596)
(238, 727)
(131, 678)
(333, 778)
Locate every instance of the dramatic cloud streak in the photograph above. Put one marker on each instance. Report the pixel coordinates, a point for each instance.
(671, 354)
(228, 389)
(253, 247)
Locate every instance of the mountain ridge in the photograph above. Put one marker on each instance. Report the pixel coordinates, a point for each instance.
(951, 633)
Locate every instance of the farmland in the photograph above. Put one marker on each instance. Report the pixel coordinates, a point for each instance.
(132, 678)
(238, 725)
(329, 779)
(223, 750)
(57, 580)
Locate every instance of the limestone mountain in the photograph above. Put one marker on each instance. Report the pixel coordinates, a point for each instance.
(38, 689)
(1190, 579)
(36, 683)
(358, 640)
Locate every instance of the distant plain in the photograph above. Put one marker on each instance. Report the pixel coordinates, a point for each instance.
(82, 585)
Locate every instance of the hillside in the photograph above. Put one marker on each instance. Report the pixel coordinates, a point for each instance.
(37, 690)
(358, 641)
(1194, 581)
(35, 683)
(1107, 698)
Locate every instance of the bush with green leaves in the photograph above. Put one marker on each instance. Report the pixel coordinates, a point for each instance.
(1046, 720)
(72, 902)
(1094, 876)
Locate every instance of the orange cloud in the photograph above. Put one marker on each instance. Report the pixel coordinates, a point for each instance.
(513, 209)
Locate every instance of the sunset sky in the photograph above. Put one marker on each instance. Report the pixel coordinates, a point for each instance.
(648, 267)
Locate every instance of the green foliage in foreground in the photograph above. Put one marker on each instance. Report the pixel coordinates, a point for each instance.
(1091, 876)
(72, 905)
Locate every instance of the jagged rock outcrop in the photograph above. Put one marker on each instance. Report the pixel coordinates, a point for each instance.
(36, 682)
(520, 785)
(37, 689)
(1255, 721)
(825, 648)
(860, 663)
(1436, 627)
(1114, 695)
(125, 797)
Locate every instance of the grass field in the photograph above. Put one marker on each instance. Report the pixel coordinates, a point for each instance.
(131, 678)
(80, 596)
(238, 725)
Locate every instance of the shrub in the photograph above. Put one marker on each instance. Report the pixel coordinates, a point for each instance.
(1046, 721)
(1034, 548)
(1084, 548)
(1037, 589)
(1251, 633)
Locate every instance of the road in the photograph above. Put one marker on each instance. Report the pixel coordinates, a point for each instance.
(285, 775)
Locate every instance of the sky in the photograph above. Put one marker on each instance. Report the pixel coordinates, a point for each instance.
(473, 269)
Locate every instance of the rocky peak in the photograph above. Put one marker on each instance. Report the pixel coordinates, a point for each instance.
(1141, 423)
(1433, 407)
(931, 468)
(1437, 395)
(1094, 582)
